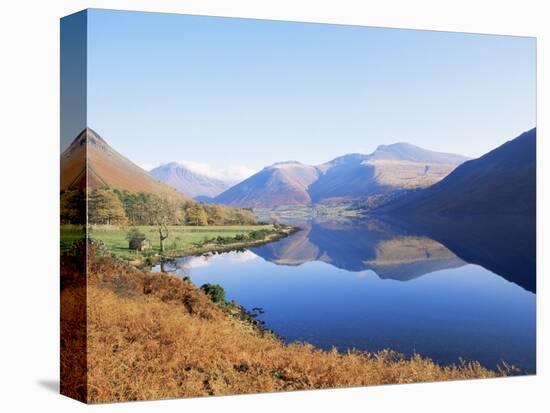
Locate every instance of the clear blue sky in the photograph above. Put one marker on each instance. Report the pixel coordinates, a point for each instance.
(237, 92)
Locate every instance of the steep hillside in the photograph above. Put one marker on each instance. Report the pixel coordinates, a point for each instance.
(502, 181)
(105, 168)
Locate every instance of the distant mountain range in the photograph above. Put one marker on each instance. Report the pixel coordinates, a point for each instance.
(389, 168)
(502, 181)
(189, 182)
(398, 179)
(89, 162)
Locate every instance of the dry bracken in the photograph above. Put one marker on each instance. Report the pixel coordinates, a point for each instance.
(154, 336)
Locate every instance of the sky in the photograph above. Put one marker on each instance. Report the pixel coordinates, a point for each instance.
(230, 96)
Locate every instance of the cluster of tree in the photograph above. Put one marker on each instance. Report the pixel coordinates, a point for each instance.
(224, 215)
(73, 207)
(147, 209)
(114, 207)
(141, 210)
(104, 207)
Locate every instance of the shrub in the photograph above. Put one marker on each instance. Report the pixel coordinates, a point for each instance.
(224, 240)
(215, 292)
(258, 234)
(135, 234)
(136, 239)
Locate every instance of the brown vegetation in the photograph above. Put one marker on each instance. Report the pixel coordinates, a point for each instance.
(153, 336)
(73, 320)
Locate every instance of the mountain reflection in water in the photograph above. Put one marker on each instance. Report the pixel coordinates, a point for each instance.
(445, 288)
(404, 250)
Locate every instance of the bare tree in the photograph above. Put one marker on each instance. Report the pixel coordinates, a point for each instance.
(163, 233)
(163, 213)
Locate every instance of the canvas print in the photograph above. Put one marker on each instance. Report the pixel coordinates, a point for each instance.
(261, 206)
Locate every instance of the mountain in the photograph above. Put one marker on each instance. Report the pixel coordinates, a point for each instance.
(284, 183)
(189, 182)
(406, 152)
(502, 182)
(90, 162)
(390, 168)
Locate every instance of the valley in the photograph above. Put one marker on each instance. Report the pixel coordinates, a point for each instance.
(356, 264)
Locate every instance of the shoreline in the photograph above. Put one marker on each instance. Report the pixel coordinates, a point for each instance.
(253, 353)
(137, 318)
(215, 248)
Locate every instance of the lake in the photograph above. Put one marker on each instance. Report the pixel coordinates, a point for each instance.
(371, 285)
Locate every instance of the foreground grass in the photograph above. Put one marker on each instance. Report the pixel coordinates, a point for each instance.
(154, 336)
(181, 239)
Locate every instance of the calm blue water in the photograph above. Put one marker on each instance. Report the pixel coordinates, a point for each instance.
(392, 290)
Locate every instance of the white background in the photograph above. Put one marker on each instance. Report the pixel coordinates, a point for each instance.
(29, 151)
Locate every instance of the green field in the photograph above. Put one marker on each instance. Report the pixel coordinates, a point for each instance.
(181, 238)
(70, 234)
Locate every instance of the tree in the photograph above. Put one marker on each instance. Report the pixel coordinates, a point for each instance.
(216, 214)
(163, 213)
(136, 207)
(196, 215)
(73, 207)
(244, 216)
(105, 207)
(275, 221)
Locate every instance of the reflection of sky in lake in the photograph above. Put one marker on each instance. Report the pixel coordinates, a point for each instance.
(449, 313)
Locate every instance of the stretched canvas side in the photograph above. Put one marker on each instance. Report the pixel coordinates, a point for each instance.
(73, 184)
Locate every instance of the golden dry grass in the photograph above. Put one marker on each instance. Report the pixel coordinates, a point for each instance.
(154, 336)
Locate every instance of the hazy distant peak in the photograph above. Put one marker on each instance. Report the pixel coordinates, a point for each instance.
(283, 163)
(396, 145)
(350, 158)
(172, 165)
(188, 181)
(404, 151)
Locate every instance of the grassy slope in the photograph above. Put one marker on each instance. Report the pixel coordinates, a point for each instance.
(155, 336)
